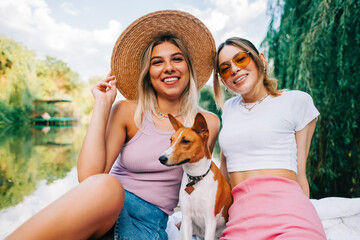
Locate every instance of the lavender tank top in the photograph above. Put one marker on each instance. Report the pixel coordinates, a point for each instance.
(139, 170)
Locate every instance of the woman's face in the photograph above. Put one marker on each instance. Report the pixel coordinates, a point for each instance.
(169, 72)
(240, 80)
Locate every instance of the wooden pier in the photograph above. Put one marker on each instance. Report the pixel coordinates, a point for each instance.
(45, 119)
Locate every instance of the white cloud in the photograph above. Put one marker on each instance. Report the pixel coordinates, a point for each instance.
(69, 8)
(86, 51)
(106, 36)
(228, 18)
(19, 15)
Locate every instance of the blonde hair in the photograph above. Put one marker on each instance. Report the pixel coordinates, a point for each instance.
(269, 83)
(147, 97)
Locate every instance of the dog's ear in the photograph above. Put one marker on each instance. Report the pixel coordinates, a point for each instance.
(200, 125)
(175, 123)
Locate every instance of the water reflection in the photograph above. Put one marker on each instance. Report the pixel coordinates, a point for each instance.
(12, 217)
(31, 160)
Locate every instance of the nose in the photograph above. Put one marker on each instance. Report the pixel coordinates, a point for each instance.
(163, 159)
(169, 67)
(234, 68)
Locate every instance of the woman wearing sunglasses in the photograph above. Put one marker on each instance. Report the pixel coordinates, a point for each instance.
(265, 142)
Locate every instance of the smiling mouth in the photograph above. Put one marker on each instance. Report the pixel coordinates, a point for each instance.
(240, 78)
(168, 80)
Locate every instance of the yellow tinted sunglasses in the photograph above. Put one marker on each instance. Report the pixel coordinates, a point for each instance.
(241, 60)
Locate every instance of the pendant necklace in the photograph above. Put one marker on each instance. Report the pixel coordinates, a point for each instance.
(250, 106)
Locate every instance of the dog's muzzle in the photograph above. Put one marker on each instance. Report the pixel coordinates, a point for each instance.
(163, 159)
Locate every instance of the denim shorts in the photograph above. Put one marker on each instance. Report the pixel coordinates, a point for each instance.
(140, 220)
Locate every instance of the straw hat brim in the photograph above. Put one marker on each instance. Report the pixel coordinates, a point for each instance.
(128, 49)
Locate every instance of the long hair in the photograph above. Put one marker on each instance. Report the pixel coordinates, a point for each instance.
(269, 83)
(147, 99)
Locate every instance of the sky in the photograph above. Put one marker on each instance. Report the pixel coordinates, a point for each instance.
(82, 33)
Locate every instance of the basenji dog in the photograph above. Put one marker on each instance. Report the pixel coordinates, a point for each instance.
(205, 194)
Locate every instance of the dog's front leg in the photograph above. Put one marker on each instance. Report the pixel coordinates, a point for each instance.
(210, 229)
(186, 228)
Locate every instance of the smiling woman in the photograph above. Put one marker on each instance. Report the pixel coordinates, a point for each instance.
(159, 63)
(265, 142)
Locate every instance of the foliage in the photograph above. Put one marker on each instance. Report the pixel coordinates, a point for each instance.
(24, 78)
(28, 154)
(14, 78)
(5, 63)
(314, 46)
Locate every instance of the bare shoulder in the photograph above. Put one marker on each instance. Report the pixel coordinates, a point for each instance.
(213, 123)
(124, 110)
(212, 120)
(124, 106)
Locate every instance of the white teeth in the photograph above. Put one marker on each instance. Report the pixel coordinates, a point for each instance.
(240, 78)
(170, 79)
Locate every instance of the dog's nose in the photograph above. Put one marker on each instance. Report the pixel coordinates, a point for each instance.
(163, 159)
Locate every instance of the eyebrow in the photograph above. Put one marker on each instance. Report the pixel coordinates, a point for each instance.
(228, 62)
(225, 63)
(172, 55)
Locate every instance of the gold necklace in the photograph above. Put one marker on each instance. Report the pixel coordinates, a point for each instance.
(166, 116)
(250, 106)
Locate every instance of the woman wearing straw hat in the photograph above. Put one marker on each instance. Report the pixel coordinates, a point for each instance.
(159, 63)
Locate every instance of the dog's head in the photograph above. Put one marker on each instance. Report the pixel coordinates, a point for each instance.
(188, 144)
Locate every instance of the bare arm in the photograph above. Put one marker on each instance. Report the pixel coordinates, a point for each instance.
(303, 140)
(223, 167)
(94, 154)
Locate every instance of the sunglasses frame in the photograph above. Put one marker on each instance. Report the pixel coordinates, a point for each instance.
(232, 60)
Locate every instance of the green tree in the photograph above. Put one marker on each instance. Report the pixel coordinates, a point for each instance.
(15, 93)
(24, 78)
(314, 46)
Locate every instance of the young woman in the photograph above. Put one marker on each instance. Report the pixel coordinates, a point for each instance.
(265, 142)
(139, 193)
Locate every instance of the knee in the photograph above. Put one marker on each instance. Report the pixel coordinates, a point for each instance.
(108, 188)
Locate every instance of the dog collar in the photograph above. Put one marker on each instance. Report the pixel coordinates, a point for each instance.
(195, 179)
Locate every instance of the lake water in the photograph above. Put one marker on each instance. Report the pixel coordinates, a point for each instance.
(37, 166)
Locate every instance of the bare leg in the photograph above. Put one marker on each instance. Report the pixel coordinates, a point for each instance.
(87, 211)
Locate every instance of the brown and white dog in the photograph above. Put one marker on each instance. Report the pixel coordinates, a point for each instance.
(205, 195)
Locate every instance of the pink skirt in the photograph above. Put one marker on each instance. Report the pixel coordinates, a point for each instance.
(272, 208)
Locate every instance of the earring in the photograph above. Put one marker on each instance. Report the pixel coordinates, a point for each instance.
(227, 89)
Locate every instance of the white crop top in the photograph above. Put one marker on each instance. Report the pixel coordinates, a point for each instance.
(264, 138)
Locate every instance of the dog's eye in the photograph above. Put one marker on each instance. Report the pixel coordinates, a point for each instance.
(184, 141)
(170, 140)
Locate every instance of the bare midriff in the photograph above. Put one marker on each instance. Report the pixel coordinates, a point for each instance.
(238, 177)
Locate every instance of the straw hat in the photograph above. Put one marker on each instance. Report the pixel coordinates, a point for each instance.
(128, 50)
